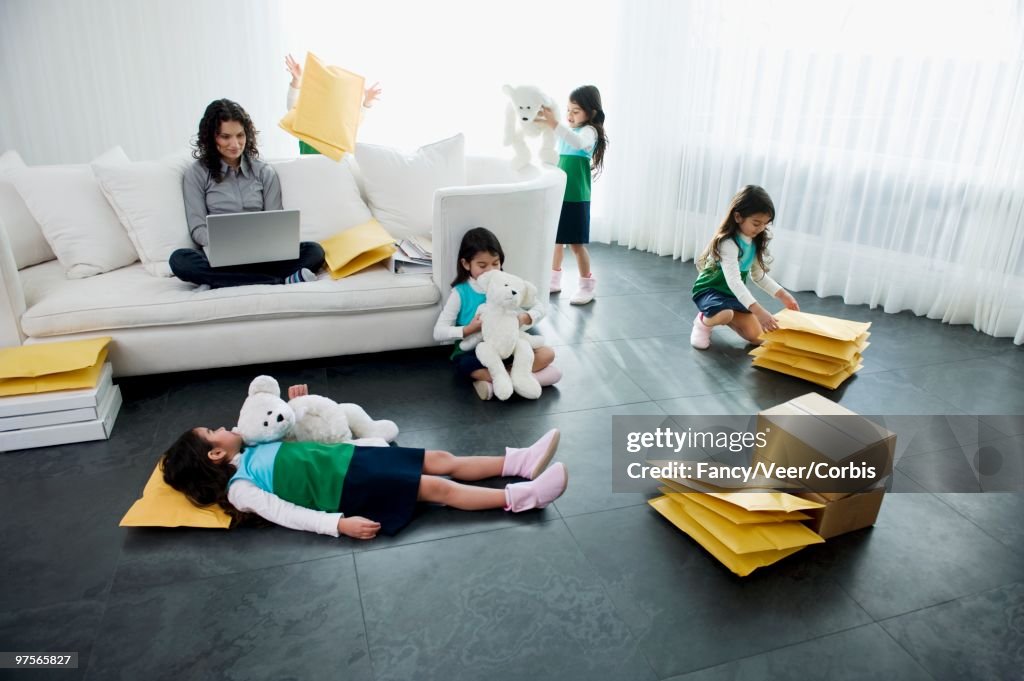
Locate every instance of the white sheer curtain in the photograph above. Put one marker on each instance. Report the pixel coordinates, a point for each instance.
(79, 77)
(888, 134)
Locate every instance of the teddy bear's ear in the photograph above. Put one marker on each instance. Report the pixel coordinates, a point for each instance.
(264, 384)
(507, 89)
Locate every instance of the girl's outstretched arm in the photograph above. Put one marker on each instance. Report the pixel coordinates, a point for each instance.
(246, 496)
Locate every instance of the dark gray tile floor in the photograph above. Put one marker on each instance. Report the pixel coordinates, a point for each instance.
(597, 586)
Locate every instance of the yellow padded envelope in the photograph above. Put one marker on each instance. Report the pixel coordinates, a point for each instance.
(326, 115)
(731, 512)
(831, 382)
(50, 358)
(163, 506)
(740, 564)
(819, 345)
(820, 325)
(825, 367)
(771, 345)
(752, 501)
(46, 367)
(357, 248)
(749, 538)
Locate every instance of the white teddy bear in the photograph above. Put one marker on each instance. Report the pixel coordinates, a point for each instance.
(521, 122)
(500, 335)
(265, 417)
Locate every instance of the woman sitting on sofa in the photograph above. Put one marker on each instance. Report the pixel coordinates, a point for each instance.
(228, 177)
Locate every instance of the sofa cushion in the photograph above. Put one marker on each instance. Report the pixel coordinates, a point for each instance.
(324, 191)
(78, 223)
(400, 187)
(27, 240)
(130, 297)
(147, 197)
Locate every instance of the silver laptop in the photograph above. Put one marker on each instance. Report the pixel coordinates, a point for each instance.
(246, 238)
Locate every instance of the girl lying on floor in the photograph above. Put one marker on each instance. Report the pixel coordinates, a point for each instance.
(348, 489)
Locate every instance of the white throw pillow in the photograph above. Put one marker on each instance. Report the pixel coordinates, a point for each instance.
(324, 191)
(78, 223)
(400, 187)
(27, 240)
(146, 195)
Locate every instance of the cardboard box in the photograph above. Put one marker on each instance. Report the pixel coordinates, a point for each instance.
(844, 515)
(810, 430)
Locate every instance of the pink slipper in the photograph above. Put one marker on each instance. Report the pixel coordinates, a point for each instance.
(530, 461)
(549, 485)
(549, 375)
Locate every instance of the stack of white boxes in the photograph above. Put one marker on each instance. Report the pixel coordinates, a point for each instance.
(60, 417)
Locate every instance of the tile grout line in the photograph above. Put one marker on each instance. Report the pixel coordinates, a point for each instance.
(611, 601)
(362, 613)
(793, 645)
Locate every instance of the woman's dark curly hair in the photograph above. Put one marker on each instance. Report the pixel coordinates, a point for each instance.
(188, 469)
(205, 143)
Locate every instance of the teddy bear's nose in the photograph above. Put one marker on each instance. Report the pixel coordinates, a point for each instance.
(280, 417)
(514, 292)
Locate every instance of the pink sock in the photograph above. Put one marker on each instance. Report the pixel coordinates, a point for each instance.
(549, 375)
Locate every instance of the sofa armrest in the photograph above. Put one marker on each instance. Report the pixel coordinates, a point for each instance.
(523, 215)
(12, 296)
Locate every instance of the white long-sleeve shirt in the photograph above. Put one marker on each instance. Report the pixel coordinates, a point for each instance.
(730, 262)
(585, 139)
(445, 328)
(247, 497)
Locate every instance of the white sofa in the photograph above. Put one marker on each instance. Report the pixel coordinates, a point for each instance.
(160, 324)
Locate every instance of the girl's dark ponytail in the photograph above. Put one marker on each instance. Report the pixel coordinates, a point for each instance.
(588, 98)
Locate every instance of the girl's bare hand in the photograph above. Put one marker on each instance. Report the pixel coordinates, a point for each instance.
(358, 527)
(299, 390)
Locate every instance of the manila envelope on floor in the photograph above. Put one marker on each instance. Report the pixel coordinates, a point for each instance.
(47, 367)
(811, 429)
(844, 515)
(741, 564)
(746, 537)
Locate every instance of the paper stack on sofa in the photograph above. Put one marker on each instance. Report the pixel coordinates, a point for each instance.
(823, 350)
(745, 530)
(56, 393)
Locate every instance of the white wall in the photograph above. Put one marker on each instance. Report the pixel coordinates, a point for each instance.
(78, 77)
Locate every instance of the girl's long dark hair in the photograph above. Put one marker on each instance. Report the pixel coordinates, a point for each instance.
(588, 98)
(188, 469)
(205, 143)
(476, 240)
(748, 201)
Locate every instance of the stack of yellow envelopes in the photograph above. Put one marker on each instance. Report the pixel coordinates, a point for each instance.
(742, 530)
(56, 393)
(326, 116)
(823, 350)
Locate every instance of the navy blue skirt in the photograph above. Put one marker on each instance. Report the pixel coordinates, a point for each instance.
(712, 301)
(574, 223)
(382, 484)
